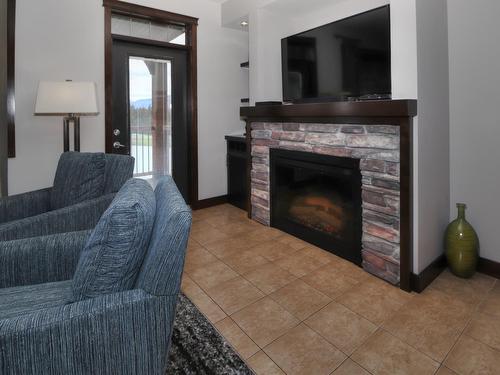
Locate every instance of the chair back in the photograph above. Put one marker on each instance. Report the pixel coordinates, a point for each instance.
(162, 267)
(118, 169)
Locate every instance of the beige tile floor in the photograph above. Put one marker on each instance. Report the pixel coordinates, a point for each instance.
(290, 308)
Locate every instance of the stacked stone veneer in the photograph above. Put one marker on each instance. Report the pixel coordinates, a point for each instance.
(377, 147)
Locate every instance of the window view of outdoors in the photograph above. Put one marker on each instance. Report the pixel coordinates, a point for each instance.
(150, 111)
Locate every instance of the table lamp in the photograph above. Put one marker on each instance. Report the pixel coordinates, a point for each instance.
(69, 99)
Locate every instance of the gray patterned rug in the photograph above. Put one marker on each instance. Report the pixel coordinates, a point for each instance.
(197, 347)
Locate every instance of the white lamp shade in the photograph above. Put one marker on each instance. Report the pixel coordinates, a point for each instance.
(66, 97)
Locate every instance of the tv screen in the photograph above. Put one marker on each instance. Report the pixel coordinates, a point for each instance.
(344, 60)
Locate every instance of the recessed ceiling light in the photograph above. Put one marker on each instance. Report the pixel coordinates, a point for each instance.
(244, 23)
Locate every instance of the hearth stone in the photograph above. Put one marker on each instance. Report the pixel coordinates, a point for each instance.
(377, 147)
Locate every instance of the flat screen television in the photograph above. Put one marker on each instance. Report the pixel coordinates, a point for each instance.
(345, 60)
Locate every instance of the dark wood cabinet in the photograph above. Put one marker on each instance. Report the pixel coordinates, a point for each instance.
(237, 192)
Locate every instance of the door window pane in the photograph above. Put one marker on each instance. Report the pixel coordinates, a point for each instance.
(150, 109)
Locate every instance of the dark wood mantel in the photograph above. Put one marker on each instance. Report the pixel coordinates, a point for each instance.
(384, 112)
(378, 108)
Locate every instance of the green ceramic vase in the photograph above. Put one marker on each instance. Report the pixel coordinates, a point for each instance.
(462, 245)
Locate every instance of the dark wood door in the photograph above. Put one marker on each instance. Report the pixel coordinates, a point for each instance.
(150, 110)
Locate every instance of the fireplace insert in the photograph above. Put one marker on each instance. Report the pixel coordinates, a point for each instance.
(318, 198)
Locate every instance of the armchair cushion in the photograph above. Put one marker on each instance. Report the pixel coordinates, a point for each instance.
(112, 257)
(79, 177)
(38, 260)
(80, 216)
(27, 299)
(23, 205)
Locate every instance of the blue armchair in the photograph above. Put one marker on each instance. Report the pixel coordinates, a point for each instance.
(44, 330)
(84, 186)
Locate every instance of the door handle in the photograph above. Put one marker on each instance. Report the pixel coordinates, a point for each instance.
(118, 145)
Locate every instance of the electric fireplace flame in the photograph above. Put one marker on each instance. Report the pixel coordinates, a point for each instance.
(318, 212)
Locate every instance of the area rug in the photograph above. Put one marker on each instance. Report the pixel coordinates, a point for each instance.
(197, 347)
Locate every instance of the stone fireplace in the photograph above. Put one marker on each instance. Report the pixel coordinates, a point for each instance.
(378, 135)
(377, 149)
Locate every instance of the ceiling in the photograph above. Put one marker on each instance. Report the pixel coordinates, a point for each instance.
(297, 7)
(235, 11)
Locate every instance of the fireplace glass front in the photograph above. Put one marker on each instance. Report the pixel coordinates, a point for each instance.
(318, 198)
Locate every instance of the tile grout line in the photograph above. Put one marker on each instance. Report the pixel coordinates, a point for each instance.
(355, 350)
(278, 366)
(283, 334)
(415, 348)
(479, 341)
(479, 312)
(475, 310)
(411, 346)
(227, 316)
(302, 320)
(243, 333)
(230, 316)
(360, 365)
(213, 324)
(210, 298)
(239, 275)
(379, 325)
(466, 325)
(381, 328)
(340, 364)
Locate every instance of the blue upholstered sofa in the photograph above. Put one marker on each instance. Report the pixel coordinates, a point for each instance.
(84, 186)
(101, 301)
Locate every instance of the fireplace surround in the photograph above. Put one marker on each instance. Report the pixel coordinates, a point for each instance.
(378, 135)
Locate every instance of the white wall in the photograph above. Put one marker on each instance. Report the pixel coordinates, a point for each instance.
(266, 30)
(56, 40)
(474, 60)
(404, 69)
(432, 146)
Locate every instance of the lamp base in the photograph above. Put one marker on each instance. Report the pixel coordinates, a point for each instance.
(76, 122)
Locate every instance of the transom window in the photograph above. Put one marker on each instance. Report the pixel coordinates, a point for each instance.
(146, 29)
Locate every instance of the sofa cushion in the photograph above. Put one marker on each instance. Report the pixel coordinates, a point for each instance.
(79, 177)
(26, 299)
(112, 257)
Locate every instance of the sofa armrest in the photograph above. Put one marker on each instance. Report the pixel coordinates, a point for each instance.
(24, 205)
(122, 333)
(39, 260)
(81, 216)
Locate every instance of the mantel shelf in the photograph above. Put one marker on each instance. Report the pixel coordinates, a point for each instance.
(377, 108)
